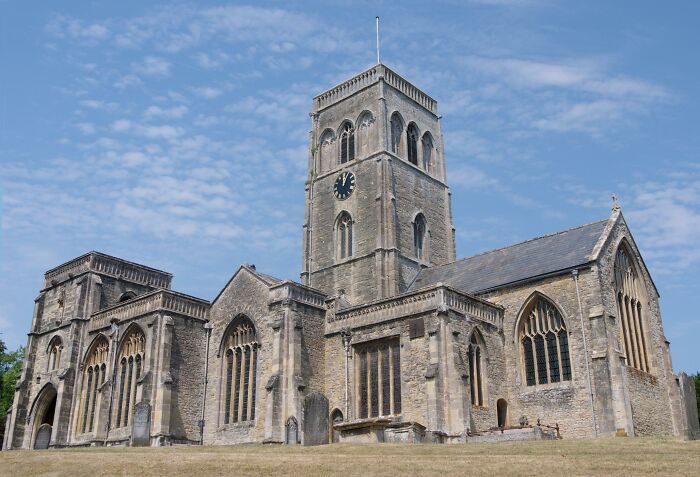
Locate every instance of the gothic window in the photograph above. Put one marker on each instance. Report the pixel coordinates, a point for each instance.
(396, 133)
(240, 363)
(364, 125)
(419, 237)
(126, 296)
(347, 143)
(130, 361)
(344, 235)
(378, 379)
(94, 373)
(412, 143)
(325, 150)
(55, 350)
(427, 144)
(629, 292)
(477, 370)
(544, 344)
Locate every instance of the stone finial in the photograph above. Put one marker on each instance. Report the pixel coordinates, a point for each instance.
(615, 203)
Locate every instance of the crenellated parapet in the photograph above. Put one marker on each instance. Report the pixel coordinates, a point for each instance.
(110, 266)
(435, 298)
(157, 300)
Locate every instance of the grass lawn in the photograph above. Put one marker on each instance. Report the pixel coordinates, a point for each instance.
(605, 457)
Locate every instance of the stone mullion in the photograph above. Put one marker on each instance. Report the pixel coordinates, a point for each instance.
(232, 389)
(392, 411)
(380, 382)
(638, 343)
(630, 328)
(240, 385)
(134, 378)
(356, 386)
(369, 383)
(623, 327)
(642, 347)
(472, 381)
(535, 368)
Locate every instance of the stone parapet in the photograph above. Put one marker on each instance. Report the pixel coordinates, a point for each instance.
(108, 265)
(289, 290)
(368, 78)
(158, 300)
(435, 298)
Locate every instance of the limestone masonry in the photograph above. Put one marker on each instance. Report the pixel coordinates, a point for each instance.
(388, 337)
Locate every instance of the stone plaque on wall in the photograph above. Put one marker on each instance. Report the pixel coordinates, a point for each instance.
(141, 428)
(315, 420)
(43, 437)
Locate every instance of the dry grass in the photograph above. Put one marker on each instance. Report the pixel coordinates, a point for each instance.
(619, 457)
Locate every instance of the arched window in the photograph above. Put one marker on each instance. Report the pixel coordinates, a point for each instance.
(344, 232)
(240, 363)
(364, 128)
(544, 344)
(55, 350)
(130, 361)
(419, 237)
(396, 133)
(347, 143)
(427, 144)
(378, 378)
(412, 143)
(325, 150)
(126, 296)
(94, 373)
(477, 370)
(628, 289)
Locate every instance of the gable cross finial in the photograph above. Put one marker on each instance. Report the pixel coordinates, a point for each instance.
(615, 203)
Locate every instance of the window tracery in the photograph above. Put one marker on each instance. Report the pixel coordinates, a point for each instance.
(344, 235)
(240, 371)
(94, 373)
(477, 368)
(412, 143)
(378, 379)
(347, 143)
(396, 133)
(544, 344)
(55, 351)
(131, 357)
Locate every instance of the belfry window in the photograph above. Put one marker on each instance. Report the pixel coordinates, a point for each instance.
(419, 237)
(347, 143)
(130, 369)
(633, 334)
(412, 144)
(544, 344)
(475, 359)
(378, 379)
(55, 350)
(427, 144)
(396, 133)
(94, 374)
(344, 232)
(240, 371)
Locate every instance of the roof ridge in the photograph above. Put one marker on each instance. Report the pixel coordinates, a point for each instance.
(523, 242)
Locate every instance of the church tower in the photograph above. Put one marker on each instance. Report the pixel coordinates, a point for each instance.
(377, 201)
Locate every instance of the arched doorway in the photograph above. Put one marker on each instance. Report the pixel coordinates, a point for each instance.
(291, 431)
(502, 411)
(44, 417)
(336, 418)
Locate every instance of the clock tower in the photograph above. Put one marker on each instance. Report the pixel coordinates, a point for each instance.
(377, 201)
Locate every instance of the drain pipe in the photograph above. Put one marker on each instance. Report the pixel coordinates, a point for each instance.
(574, 273)
(114, 335)
(207, 327)
(347, 335)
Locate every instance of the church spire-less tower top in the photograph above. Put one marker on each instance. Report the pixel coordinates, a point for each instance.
(377, 201)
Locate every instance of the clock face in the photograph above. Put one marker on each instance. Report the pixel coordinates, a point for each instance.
(344, 185)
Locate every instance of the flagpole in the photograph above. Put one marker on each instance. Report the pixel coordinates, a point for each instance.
(378, 60)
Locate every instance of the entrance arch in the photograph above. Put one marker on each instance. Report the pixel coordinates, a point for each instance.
(336, 418)
(502, 411)
(44, 416)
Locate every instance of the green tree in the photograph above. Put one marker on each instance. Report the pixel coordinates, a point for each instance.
(696, 377)
(10, 370)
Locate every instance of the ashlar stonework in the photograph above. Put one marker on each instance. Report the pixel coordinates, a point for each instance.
(387, 335)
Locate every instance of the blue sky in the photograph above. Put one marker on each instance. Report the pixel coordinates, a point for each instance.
(175, 135)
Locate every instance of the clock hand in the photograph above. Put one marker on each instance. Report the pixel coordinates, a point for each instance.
(345, 178)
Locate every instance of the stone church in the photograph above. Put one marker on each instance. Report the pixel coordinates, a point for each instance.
(388, 337)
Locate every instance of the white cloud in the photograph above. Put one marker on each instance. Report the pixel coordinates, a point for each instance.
(121, 125)
(127, 81)
(207, 92)
(62, 26)
(165, 132)
(86, 128)
(175, 112)
(152, 66)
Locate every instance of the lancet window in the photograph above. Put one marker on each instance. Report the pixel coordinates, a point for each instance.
(427, 144)
(131, 356)
(378, 379)
(412, 143)
(240, 370)
(344, 235)
(419, 237)
(396, 133)
(55, 350)
(477, 370)
(544, 344)
(633, 335)
(94, 374)
(347, 143)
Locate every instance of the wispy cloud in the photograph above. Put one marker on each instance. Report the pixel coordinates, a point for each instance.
(152, 66)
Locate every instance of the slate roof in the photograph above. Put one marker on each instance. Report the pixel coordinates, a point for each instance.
(540, 256)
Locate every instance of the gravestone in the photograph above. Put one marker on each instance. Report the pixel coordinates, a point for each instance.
(315, 420)
(43, 436)
(141, 428)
